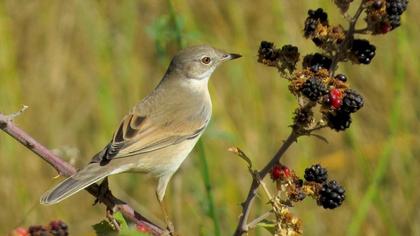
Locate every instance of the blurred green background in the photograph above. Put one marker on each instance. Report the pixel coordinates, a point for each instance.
(80, 66)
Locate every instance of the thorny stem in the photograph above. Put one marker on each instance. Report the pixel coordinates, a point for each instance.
(65, 169)
(242, 226)
(297, 131)
(345, 45)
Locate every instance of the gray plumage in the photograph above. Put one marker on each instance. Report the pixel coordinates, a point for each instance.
(158, 133)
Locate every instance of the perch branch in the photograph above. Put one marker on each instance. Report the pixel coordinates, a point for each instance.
(65, 169)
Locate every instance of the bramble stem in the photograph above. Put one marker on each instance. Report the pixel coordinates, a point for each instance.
(65, 169)
(346, 44)
(243, 226)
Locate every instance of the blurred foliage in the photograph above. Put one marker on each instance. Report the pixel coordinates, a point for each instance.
(80, 66)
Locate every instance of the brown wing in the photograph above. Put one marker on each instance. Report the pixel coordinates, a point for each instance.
(139, 134)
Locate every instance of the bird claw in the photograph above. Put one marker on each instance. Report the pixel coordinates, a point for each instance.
(103, 190)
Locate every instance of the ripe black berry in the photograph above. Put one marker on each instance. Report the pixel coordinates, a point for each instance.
(377, 4)
(331, 195)
(363, 51)
(341, 77)
(38, 230)
(316, 173)
(339, 120)
(267, 51)
(394, 21)
(315, 17)
(352, 101)
(313, 88)
(396, 7)
(314, 61)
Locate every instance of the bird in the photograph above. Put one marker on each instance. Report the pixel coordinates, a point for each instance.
(158, 133)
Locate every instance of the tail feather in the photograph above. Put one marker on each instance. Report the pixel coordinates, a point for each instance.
(82, 179)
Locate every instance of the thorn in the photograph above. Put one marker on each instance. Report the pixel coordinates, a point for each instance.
(12, 116)
(57, 176)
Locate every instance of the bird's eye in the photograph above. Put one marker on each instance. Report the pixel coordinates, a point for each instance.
(205, 60)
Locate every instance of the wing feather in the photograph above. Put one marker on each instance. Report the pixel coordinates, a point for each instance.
(138, 134)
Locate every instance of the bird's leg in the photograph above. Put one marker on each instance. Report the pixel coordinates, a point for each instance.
(169, 225)
(103, 190)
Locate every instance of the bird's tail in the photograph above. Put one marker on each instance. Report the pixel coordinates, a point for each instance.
(82, 179)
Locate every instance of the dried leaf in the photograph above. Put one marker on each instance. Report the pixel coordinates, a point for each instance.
(242, 155)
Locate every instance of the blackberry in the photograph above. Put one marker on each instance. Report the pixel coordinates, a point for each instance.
(394, 21)
(352, 101)
(288, 56)
(313, 88)
(377, 5)
(331, 195)
(316, 174)
(58, 228)
(314, 17)
(267, 51)
(38, 230)
(315, 61)
(363, 51)
(341, 77)
(297, 196)
(396, 7)
(339, 120)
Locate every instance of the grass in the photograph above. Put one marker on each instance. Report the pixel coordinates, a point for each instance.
(80, 65)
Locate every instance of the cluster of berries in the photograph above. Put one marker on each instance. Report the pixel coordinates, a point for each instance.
(315, 83)
(329, 194)
(384, 15)
(330, 38)
(284, 58)
(336, 99)
(54, 228)
(321, 32)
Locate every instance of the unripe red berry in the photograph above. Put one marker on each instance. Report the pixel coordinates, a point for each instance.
(280, 172)
(142, 228)
(276, 172)
(385, 27)
(20, 232)
(336, 98)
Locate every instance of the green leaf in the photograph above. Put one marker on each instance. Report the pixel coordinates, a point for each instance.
(269, 225)
(120, 219)
(104, 228)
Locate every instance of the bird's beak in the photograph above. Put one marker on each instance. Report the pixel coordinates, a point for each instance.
(231, 56)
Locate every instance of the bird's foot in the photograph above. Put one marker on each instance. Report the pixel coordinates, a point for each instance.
(103, 190)
(170, 227)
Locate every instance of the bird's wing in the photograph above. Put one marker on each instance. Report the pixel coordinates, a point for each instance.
(138, 134)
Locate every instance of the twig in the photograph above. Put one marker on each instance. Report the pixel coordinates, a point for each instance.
(65, 169)
(242, 226)
(348, 38)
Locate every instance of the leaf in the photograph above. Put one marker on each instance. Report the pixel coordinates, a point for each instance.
(242, 155)
(269, 225)
(120, 219)
(104, 228)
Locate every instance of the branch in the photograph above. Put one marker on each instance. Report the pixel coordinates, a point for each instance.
(243, 226)
(65, 169)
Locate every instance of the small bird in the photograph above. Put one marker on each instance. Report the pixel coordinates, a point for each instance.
(160, 131)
